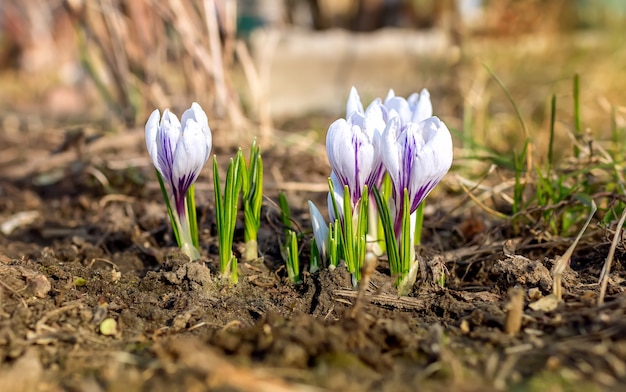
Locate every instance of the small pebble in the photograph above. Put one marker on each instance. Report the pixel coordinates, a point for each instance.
(108, 327)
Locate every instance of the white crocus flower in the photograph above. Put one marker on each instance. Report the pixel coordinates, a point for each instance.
(416, 156)
(179, 152)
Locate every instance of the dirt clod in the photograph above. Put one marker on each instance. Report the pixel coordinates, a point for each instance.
(518, 270)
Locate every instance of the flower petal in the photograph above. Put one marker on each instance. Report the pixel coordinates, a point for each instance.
(374, 119)
(196, 113)
(392, 154)
(167, 138)
(432, 157)
(390, 94)
(190, 157)
(152, 128)
(320, 229)
(398, 106)
(423, 108)
(354, 103)
(340, 152)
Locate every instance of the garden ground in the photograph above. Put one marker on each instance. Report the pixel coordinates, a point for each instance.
(91, 241)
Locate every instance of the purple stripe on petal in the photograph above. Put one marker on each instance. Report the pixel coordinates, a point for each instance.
(355, 191)
(421, 194)
(180, 191)
(166, 156)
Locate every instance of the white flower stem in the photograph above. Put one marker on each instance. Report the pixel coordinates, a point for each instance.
(184, 232)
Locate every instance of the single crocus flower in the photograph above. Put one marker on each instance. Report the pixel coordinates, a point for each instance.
(179, 152)
(416, 156)
(352, 149)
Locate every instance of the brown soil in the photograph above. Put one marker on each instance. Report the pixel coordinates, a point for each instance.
(97, 245)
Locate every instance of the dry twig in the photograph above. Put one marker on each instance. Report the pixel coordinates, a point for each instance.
(563, 261)
(606, 269)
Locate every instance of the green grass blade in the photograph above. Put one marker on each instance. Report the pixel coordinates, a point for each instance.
(285, 211)
(333, 243)
(577, 122)
(331, 188)
(245, 175)
(169, 208)
(406, 245)
(226, 207)
(390, 238)
(315, 263)
(219, 217)
(361, 230)
(551, 143)
(348, 234)
(193, 218)
(506, 91)
(293, 260)
(419, 223)
(252, 191)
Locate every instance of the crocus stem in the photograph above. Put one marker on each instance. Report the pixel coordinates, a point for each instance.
(376, 241)
(419, 222)
(182, 224)
(169, 204)
(408, 266)
(185, 238)
(190, 200)
(251, 250)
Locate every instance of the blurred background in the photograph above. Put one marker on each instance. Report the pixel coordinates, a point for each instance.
(257, 66)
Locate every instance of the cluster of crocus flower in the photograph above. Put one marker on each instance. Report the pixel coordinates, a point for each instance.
(179, 150)
(396, 136)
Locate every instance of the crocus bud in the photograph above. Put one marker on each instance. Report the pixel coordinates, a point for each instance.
(320, 230)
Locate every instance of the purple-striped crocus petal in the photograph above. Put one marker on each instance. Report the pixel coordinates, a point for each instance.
(320, 229)
(364, 163)
(432, 157)
(196, 113)
(152, 128)
(421, 106)
(416, 157)
(167, 138)
(354, 103)
(352, 157)
(340, 152)
(191, 155)
(392, 156)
